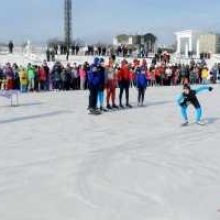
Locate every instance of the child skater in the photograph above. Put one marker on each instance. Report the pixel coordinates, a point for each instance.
(111, 73)
(141, 83)
(94, 85)
(189, 96)
(102, 84)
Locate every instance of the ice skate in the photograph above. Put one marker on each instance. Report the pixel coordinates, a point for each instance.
(185, 124)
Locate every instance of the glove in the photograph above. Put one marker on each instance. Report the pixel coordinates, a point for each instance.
(210, 89)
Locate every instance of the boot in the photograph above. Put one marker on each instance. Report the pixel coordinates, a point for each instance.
(115, 106)
(121, 106)
(109, 107)
(103, 109)
(128, 105)
(186, 123)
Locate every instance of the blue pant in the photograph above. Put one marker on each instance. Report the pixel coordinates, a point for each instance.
(101, 98)
(23, 88)
(185, 116)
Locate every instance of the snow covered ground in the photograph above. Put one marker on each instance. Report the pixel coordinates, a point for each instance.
(38, 58)
(57, 162)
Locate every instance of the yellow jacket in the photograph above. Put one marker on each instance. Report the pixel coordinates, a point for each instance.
(205, 73)
(23, 77)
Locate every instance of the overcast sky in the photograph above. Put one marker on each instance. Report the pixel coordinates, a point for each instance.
(99, 20)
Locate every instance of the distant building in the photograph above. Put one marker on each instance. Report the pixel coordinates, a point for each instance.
(146, 41)
(195, 43)
(210, 43)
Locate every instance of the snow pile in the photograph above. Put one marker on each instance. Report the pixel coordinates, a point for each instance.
(57, 162)
(38, 58)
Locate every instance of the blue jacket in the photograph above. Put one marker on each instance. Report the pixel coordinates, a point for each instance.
(93, 76)
(141, 80)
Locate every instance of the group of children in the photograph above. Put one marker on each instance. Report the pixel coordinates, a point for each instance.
(108, 77)
(102, 77)
(26, 79)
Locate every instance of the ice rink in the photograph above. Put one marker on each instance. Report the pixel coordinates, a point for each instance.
(59, 163)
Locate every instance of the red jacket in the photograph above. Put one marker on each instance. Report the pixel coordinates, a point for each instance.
(124, 74)
(41, 74)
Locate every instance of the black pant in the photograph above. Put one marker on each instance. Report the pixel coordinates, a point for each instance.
(141, 94)
(66, 85)
(124, 85)
(57, 85)
(93, 97)
(158, 80)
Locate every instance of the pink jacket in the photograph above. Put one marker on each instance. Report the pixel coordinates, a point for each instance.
(82, 73)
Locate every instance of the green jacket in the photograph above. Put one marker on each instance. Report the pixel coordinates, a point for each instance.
(31, 73)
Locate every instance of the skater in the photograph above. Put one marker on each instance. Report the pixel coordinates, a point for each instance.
(102, 83)
(189, 97)
(124, 78)
(94, 84)
(111, 83)
(141, 83)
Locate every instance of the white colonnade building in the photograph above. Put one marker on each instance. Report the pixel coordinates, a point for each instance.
(188, 43)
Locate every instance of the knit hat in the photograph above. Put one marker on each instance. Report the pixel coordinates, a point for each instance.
(96, 61)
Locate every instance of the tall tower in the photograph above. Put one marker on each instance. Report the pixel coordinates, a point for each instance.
(68, 22)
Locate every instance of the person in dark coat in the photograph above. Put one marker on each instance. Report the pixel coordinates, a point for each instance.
(11, 47)
(94, 83)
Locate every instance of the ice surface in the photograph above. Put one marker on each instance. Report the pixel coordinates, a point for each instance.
(59, 163)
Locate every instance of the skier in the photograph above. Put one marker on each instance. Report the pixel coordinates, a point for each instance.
(111, 83)
(124, 78)
(189, 97)
(141, 83)
(94, 83)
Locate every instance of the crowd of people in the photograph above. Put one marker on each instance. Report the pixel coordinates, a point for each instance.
(40, 77)
(104, 75)
(93, 50)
